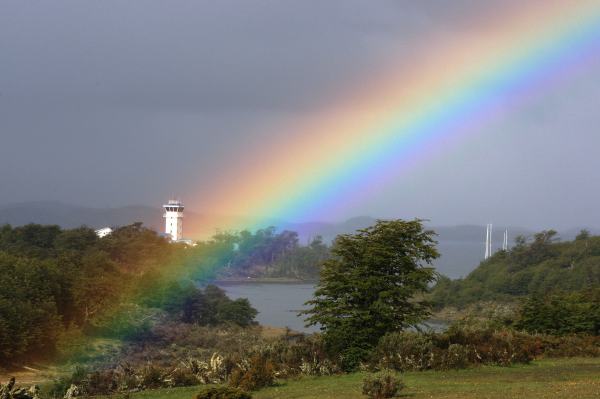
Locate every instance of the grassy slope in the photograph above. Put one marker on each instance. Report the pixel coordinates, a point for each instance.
(550, 378)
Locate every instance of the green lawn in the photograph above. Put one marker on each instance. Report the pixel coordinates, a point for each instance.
(561, 378)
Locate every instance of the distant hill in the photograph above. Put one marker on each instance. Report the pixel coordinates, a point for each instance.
(69, 216)
(535, 267)
(461, 246)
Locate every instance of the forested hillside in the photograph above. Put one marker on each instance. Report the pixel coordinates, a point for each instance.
(58, 284)
(460, 246)
(535, 266)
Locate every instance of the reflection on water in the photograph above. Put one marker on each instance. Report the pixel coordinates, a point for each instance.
(278, 304)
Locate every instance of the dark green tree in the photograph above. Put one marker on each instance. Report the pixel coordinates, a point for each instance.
(370, 285)
(237, 311)
(583, 235)
(562, 313)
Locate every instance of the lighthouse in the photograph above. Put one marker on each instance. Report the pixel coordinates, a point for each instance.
(174, 219)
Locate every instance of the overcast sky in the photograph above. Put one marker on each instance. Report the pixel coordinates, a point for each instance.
(111, 103)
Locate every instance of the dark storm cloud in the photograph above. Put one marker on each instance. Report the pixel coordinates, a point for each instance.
(212, 56)
(118, 102)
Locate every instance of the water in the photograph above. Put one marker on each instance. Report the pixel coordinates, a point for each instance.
(278, 304)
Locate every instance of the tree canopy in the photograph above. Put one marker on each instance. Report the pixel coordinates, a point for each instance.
(369, 286)
(56, 281)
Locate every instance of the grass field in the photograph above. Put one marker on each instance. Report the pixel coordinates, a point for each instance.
(550, 378)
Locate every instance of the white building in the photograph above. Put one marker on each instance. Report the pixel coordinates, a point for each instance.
(174, 219)
(103, 232)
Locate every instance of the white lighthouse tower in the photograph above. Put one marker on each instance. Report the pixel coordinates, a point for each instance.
(174, 219)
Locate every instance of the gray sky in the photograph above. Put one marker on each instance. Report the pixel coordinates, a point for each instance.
(110, 103)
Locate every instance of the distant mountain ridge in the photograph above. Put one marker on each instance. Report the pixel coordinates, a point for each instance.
(70, 216)
(461, 246)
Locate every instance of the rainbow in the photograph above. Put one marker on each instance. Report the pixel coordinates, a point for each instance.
(350, 151)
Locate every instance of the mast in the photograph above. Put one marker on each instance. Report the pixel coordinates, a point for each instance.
(488, 241)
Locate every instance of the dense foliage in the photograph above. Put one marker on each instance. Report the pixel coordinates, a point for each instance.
(54, 279)
(180, 354)
(532, 267)
(59, 282)
(562, 313)
(368, 287)
(56, 284)
(466, 345)
(266, 253)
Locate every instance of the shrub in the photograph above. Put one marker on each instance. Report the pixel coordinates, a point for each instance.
(569, 346)
(222, 393)
(101, 383)
(151, 377)
(299, 354)
(456, 357)
(405, 351)
(59, 386)
(456, 348)
(182, 378)
(490, 346)
(382, 385)
(259, 373)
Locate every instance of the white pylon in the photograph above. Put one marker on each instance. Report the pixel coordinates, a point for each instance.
(488, 241)
(505, 242)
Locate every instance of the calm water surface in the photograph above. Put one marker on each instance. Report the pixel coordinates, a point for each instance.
(277, 304)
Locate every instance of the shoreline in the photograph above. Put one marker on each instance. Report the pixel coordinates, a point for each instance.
(263, 280)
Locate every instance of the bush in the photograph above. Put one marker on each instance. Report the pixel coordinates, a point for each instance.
(183, 378)
(259, 373)
(456, 357)
(222, 393)
(405, 351)
(456, 348)
(59, 386)
(569, 346)
(101, 383)
(151, 377)
(382, 385)
(491, 346)
(299, 354)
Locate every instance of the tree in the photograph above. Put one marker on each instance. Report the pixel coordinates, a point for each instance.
(583, 235)
(238, 311)
(368, 287)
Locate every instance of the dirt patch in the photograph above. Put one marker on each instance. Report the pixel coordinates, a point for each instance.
(27, 375)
